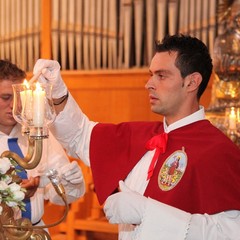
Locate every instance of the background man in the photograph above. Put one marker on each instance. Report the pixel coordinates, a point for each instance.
(38, 186)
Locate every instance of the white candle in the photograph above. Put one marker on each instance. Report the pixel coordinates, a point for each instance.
(26, 99)
(38, 106)
(232, 119)
(23, 100)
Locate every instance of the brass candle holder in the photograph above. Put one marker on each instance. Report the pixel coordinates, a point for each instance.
(34, 110)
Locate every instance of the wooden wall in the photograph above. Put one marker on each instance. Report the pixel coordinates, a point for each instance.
(115, 96)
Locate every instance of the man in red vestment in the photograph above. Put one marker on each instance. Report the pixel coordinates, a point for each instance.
(203, 201)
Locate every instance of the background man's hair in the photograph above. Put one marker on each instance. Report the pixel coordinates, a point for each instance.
(10, 71)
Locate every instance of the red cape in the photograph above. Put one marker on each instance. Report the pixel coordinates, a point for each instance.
(210, 184)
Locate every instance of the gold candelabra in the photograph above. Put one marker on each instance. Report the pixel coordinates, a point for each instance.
(33, 109)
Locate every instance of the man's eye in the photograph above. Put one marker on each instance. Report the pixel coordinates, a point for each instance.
(161, 76)
(6, 98)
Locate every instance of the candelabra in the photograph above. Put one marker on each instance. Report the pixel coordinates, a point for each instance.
(34, 110)
(224, 109)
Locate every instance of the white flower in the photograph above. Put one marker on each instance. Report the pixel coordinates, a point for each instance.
(18, 195)
(3, 185)
(7, 179)
(11, 193)
(14, 187)
(5, 165)
(12, 204)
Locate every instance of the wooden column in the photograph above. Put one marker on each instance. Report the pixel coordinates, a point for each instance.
(46, 29)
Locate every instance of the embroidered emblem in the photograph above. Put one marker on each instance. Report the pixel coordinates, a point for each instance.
(172, 170)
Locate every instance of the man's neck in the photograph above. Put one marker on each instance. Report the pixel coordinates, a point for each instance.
(6, 129)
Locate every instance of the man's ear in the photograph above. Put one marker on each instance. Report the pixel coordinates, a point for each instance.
(194, 80)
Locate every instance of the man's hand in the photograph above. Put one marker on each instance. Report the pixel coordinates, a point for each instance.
(31, 186)
(72, 173)
(126, 206)
(49, 71)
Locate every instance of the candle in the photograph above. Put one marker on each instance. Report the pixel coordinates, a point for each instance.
(232, 119)
(26, 99)
(38, 106)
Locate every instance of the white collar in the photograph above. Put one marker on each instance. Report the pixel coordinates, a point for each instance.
(16, 129)
(194, 117)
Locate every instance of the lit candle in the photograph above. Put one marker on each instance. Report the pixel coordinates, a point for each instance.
(38, 106)
(26, 99)
(232, 119)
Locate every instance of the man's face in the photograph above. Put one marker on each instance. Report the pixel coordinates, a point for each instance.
(166, 86)
(7, 121)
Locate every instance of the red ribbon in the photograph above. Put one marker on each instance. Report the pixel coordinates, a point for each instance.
(158, 142)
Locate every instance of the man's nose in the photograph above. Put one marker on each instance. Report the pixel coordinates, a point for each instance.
(11, 104)
(149, 84)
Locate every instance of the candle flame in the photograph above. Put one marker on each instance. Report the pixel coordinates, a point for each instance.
(232, 113)
(38, 87)
(25, 82)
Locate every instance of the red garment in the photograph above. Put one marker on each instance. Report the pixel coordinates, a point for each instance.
(210, 184)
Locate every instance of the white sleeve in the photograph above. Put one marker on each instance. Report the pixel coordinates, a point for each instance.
(220, 226)
(162, 222)
(72, 128)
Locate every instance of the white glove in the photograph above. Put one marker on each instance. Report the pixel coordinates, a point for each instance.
(126, 206)
(71, 173)
(49, 71)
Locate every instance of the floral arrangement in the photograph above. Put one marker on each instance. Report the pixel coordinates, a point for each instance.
(11, 193)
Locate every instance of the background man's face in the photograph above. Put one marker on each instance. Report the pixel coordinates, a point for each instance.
(6, 104)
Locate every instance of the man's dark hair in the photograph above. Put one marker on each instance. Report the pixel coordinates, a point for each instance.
(192, 56)
(10, 71)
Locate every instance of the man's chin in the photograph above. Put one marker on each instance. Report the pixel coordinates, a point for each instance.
(12, 122)
(156, 110)
(153, 109)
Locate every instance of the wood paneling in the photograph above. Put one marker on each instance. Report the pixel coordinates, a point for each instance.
(46, 46)
(115, 96)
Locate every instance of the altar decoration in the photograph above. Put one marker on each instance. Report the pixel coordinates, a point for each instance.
(224, 109)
